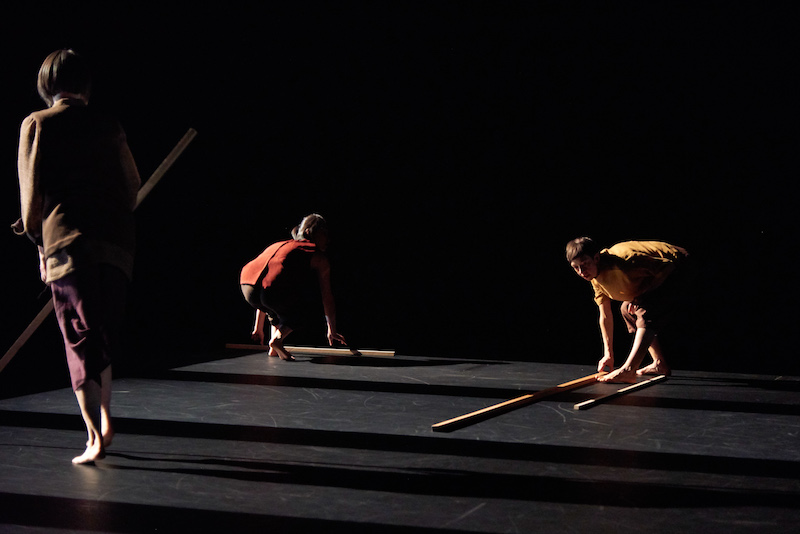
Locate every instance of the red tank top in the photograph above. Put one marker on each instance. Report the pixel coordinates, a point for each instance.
(280, 263)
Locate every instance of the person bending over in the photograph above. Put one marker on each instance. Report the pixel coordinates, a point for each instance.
(651, 279)
(279, 282)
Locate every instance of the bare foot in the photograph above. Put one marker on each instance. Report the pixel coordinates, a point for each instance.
(93, 452)
(108, 437)
(277, 346)
(620, 376)
(655, 368)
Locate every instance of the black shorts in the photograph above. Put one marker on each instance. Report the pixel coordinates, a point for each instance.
(656, 308)
(282, 308)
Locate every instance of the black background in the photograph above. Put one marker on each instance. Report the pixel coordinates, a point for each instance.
(454, 147)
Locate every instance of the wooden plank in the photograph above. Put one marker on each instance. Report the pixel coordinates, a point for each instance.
(143, 192)
(503, 407)
(323, 351)
(162, 169)
(25, 336)
(585, 405)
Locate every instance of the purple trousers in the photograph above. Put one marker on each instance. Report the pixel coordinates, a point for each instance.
(90, 309)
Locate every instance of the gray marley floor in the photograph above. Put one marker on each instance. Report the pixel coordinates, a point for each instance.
(343, 444)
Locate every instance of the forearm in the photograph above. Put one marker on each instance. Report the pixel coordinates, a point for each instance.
(330, 316)
(258, 326)
(322, 266)
(329, 307)
(606, 321)
(328, 302)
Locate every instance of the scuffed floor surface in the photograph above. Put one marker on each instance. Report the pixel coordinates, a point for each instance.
(249, 443)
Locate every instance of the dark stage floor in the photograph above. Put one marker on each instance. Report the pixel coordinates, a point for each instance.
(250, 443)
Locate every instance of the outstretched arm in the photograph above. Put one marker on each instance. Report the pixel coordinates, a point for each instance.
(323, 268)
(606, 321)
(258, 327)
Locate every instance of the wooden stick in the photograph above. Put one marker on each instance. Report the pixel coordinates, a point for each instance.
(22, 339)
(633, 387)
(503, 407)
(162, 169)
(143, 192)
(324, 351)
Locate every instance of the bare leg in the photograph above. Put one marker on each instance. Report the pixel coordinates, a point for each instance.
(276, 342)
(627, 373)
(272, 333)
(89, 400)
(659, 365)
(106, 426)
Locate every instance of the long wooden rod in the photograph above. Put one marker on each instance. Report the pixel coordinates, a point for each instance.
(148, 186)
(585, 405)
(324, 351)
(503, 407)
(162, 169)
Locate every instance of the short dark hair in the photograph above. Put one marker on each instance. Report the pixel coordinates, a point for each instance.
(582, 246)
(64, 71)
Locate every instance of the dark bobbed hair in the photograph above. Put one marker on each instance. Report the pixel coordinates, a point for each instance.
(309, 226)
(582, 246)
(64, 71)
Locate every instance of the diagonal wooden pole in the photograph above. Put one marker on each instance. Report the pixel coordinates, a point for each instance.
(143, 192)
(503, 407)
(627, 389)
(162, 169)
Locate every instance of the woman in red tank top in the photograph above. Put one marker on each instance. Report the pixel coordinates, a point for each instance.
(277, 282)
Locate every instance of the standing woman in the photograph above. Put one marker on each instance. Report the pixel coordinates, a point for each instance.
(278, 283)
(78, 183)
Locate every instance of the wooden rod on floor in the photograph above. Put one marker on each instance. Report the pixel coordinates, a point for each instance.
(143, 192)
(503, 407)
(323, 351)
(585, 405)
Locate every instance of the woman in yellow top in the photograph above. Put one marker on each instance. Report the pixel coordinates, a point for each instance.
(650, 278)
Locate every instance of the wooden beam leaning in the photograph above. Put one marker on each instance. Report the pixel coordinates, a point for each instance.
(27, 333)
(503, 407)
(585, 405)
(322, 351)
(160, 171)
